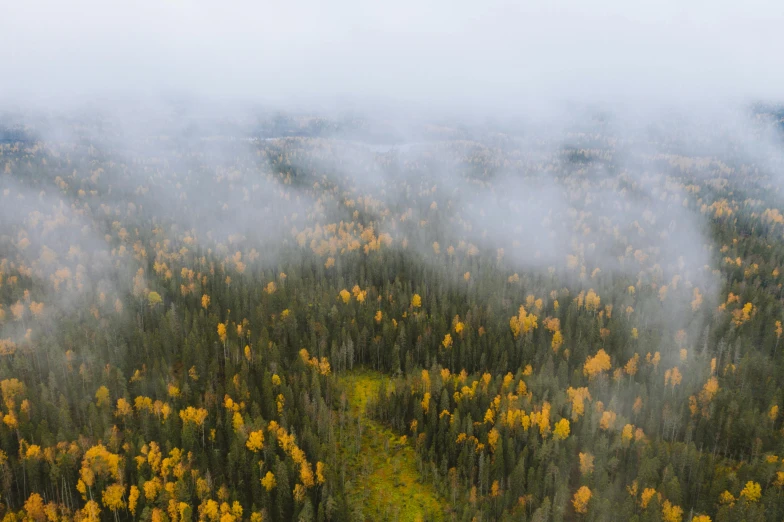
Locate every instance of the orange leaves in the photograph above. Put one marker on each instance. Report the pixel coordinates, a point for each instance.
(581, 499)
(597, 364)
(672, 377)
(607, 422)
(740, 316)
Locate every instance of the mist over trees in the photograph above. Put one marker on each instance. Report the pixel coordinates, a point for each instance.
(554, 323)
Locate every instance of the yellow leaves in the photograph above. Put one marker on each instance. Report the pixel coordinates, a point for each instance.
(562, 429)
(578, 396)
(436, 248)
(329, 263)
(467, 276)
(447, 342)
(193, 415)
(580, 500)
(492, 438)
(237, 422)
(11, 420)
(320, 479)
(631, 366)
(592, 301)
(345, 296)
(173, 391)
(154, 298)
(268, 481)
(697, 301)
(102, 396)
(773, 413)
(542, 419)
(133, 498)
(426, 402)
(646, 497)
(99, 461)
(751, 492)
(113, 497)
(741, 316)
(586, 463)
(11, 389)
(416, 301)
(89, 513)
(276, 379)
(459, 327)
(280, 401)
(123, 408)
(727, 498)
(489, 416)
(299, 490)
(222, 332)
(701, 518)
(209, 509)
(778, 330)
(597, 364)
(495, 489)
(635, 333)
(205, 301)
(627, 434)
(522, 323)
(557, 341)
(378, 316)
(671, 513)
(7, 346)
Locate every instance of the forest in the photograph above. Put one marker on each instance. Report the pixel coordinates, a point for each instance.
(274, 320)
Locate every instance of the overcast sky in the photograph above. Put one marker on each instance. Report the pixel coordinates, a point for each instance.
(485, 53)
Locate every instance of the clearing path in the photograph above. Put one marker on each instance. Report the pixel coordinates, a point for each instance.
(384, 475)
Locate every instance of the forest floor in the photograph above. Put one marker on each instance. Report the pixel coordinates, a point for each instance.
(383, 474)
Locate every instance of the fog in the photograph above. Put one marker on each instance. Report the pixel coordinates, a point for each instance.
(173, 91)
(493, 56)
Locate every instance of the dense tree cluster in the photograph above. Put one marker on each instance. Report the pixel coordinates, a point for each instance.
(176, 326)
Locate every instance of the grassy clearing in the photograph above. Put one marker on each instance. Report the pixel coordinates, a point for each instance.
(383, 474)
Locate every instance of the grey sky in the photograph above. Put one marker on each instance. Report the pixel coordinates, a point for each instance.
(489, 54)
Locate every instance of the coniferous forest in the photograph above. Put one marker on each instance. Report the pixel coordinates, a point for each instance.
(306, 318)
